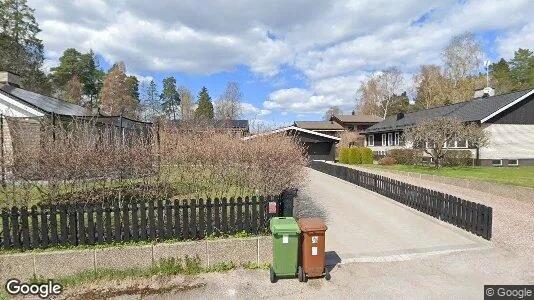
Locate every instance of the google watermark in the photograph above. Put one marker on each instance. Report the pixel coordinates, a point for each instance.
(15, 287)
(509, 292)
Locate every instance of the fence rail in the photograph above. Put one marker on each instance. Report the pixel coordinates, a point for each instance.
(89, 224)
(470, 216)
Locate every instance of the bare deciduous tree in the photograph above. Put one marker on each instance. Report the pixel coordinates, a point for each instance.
(229, 105)
(433, 87)
(333, 110)
(116, 97)
(73, 91)
(186, 105)
(462, 57)
(378, 93)
(434, 135)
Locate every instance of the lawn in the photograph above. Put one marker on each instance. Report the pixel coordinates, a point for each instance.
(520, 176)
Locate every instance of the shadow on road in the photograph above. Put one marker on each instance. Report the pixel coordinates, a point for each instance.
(331, 259)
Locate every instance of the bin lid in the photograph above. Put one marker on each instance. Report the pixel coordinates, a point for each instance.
(284, 225)
(312, 224)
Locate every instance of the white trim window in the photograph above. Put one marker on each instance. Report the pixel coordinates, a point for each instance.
(390, 139)
(384, 139)
(397, 138)
(513, 162)
(496, 162)
(371, 140)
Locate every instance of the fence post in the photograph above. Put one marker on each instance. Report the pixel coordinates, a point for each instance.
(286, 202)
(6, 239)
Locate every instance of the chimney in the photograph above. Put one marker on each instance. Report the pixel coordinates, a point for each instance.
(9, 78)
(400, 116)
(484, 93)
(353, 112)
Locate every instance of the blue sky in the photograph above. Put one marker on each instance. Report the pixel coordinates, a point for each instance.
(293, 59)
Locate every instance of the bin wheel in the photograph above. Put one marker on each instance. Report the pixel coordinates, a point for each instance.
(327, 274)
(272, 276)
(300, 274)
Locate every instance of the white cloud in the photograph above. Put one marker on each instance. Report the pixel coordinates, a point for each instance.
(142, 78)
(250, 110)
(523, 38)
(334, 44)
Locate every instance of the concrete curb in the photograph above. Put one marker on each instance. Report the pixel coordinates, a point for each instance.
(55, 264)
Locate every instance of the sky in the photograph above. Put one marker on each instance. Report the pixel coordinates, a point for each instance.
(292, 58)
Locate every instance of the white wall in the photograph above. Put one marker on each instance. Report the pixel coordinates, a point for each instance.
(509, 141)
(13, 108)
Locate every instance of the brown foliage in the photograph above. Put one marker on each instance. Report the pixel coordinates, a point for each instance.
(387, 161)
(82, 161)
(116, 95)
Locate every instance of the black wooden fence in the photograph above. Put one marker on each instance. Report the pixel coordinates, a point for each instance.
(88, 224)
(473, 217)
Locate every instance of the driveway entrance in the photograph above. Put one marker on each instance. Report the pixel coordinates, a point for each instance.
(365, 226)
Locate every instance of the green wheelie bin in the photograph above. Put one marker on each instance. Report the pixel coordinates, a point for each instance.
(286, 234)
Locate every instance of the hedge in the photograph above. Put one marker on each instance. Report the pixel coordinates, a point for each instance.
(367, 156)
(457, 158)
(355, 156)
(344, 155)
(406, 156)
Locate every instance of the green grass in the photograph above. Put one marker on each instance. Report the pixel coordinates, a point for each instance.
(520, 176)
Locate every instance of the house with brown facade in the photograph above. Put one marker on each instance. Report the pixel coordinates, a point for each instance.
(354, 122)
(340, 123)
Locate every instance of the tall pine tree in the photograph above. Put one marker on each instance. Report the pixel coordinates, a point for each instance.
(523, 68)
(204, 110)
(21, 51)
(82, 65)
(501, 77)
(170, 99)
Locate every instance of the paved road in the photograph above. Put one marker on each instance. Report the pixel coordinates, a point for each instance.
(385, 252)
(364, 226)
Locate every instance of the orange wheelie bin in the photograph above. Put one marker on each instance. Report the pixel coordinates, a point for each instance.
(312, 249)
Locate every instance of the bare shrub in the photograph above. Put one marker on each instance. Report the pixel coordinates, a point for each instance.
(350, 138)
(85, 161)
(387, 161)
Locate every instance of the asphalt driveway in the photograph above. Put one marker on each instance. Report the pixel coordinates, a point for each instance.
(366, 227)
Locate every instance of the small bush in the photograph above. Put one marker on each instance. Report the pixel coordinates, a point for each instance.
(367, 156)
(355, 156)
(344, 155)
(406, 156)
(457, 158)
(387, 161)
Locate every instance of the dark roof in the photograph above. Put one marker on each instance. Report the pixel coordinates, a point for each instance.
(318, 125)
(472, 110)
(357, 118)
(294, 129)
(44, 103)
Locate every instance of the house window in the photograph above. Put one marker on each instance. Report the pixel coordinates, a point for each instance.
(390, 139)
(397, 138)
(350, 127)
(384, 139)
(513, 162)
(371, 140)
(460, 144)
(496, 162)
